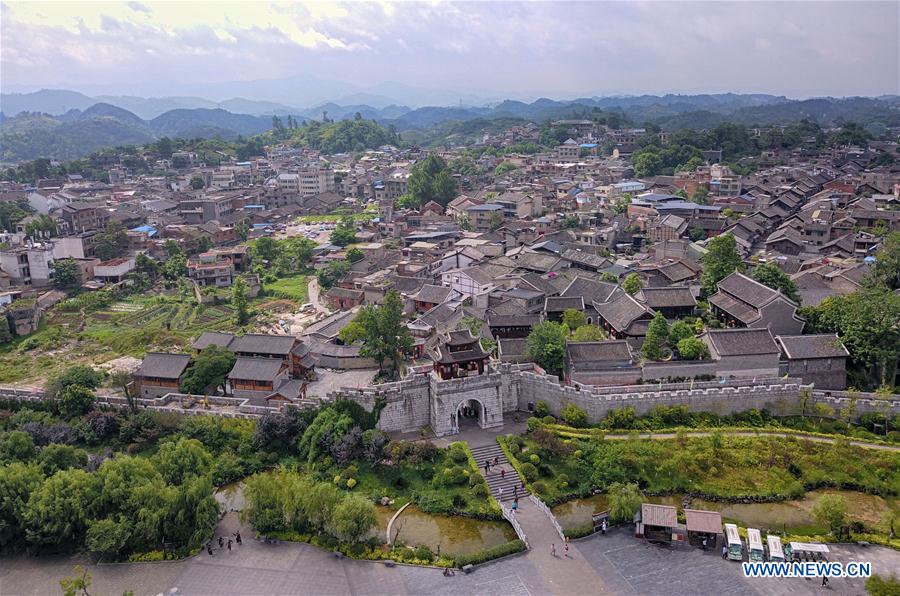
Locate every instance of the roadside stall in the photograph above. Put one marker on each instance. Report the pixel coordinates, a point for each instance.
(658, 522)
(703, 524)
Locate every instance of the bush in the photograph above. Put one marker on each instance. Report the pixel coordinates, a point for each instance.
(541, 409)
(534, 458)
(574, 416)
(457, 453)
(529, 472)
(549, 420)
(433, 501)
(351, 482)
(423, 553)
(481, 491)
(490, 554)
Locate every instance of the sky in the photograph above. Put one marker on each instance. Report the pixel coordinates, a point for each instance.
(446, 50)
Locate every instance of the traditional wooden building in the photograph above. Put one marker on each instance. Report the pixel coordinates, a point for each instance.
(256, 377)
(460, 356)
(512, 326)
(160, 374)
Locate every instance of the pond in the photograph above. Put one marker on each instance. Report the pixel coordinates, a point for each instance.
(578, 511)
(456, 535)
(793, 516)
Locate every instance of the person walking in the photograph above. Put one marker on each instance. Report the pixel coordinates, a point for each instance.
(496, 460)
(502, 473)
(824, 581)
(724, 552)
(516, 492)
(704, 544)
(221, 542)
(552, 549)
(209, 548)
(500, 494)
(229, 545)
(603, 527)
(487, 467)
(237, 537)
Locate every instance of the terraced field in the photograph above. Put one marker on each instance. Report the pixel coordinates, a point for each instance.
(131, 327)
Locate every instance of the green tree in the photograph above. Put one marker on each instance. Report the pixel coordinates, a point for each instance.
(16, 446)
(40, 226)
(720, 261)
(121, 379)
(239, 301)
(111, 242)
(771, 275)
(679, 331)
(831, 511)
(610, 278)
(546, 345)
(632, 283)
(66, 273)
(431, 180)
(696, 234)
(355, 254)
(76, 400)
(574, 318)
(866, 322)
(78, 584)
(175, 266)
(265, 248)
(495, 220)
(504, 168)
(208, 370)
(701, 196)
(197, 182)
(55, 457)
(574, 416)
(646, 164)
(878, 585)
(344, 233)
(179, 460)
(109, 536)
(384, 334)
(622, 203)
(887, 262)
(691, 348)
(352, 518)
(587, 333)
(624, 501)
(332, 273)
(58, 512)
(464, 223)
(18, 481)
(78, 374)
(242, 229)
(657, 334)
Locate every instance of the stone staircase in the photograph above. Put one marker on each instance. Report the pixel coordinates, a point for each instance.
(510, 481)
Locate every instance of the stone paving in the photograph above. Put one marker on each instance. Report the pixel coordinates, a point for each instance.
(617, 563)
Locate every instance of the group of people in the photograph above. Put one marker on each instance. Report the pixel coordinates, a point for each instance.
(223, 544)
(565, 548)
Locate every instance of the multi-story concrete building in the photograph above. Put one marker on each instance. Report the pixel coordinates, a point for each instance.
(28, 265)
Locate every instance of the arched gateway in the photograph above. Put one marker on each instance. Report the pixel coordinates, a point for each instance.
(470, 413)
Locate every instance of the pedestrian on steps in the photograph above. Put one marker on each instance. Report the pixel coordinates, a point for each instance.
(502, 473)
(221, 542)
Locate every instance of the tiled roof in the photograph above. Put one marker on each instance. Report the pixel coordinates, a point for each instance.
(213, 338)
(802, 347)
(747, 290)
(255, 369)
(742, 342)
(258, 343)
(598, 351)
(621, 312)
(164, 366)
(667, 297)
(708, 522)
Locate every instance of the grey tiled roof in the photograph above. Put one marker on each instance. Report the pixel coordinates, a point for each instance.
(743, 342)
(802, 347)
(164, 366)
(255, 369)
(213, 338)
(257, 343)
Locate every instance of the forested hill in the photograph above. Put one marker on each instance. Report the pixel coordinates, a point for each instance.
(78, 133)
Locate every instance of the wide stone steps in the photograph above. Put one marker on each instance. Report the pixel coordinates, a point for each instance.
(509, 481)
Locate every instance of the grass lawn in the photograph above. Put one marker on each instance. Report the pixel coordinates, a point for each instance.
(294, 288)
(717, 466)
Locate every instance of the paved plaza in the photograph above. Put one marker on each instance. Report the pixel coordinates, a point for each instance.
(616, 563)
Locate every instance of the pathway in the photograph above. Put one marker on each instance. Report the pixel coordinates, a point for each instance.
(502, 478)
(747, 433)
(562, 573)
(314, 295)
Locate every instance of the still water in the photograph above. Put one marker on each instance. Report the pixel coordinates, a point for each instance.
(454, 534)
(791, 516)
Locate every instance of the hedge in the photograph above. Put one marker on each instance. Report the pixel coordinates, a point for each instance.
(502, 550)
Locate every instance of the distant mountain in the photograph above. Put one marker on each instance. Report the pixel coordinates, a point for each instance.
(80, 132)
(181, 123)
(57, 102)
(48, 101)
